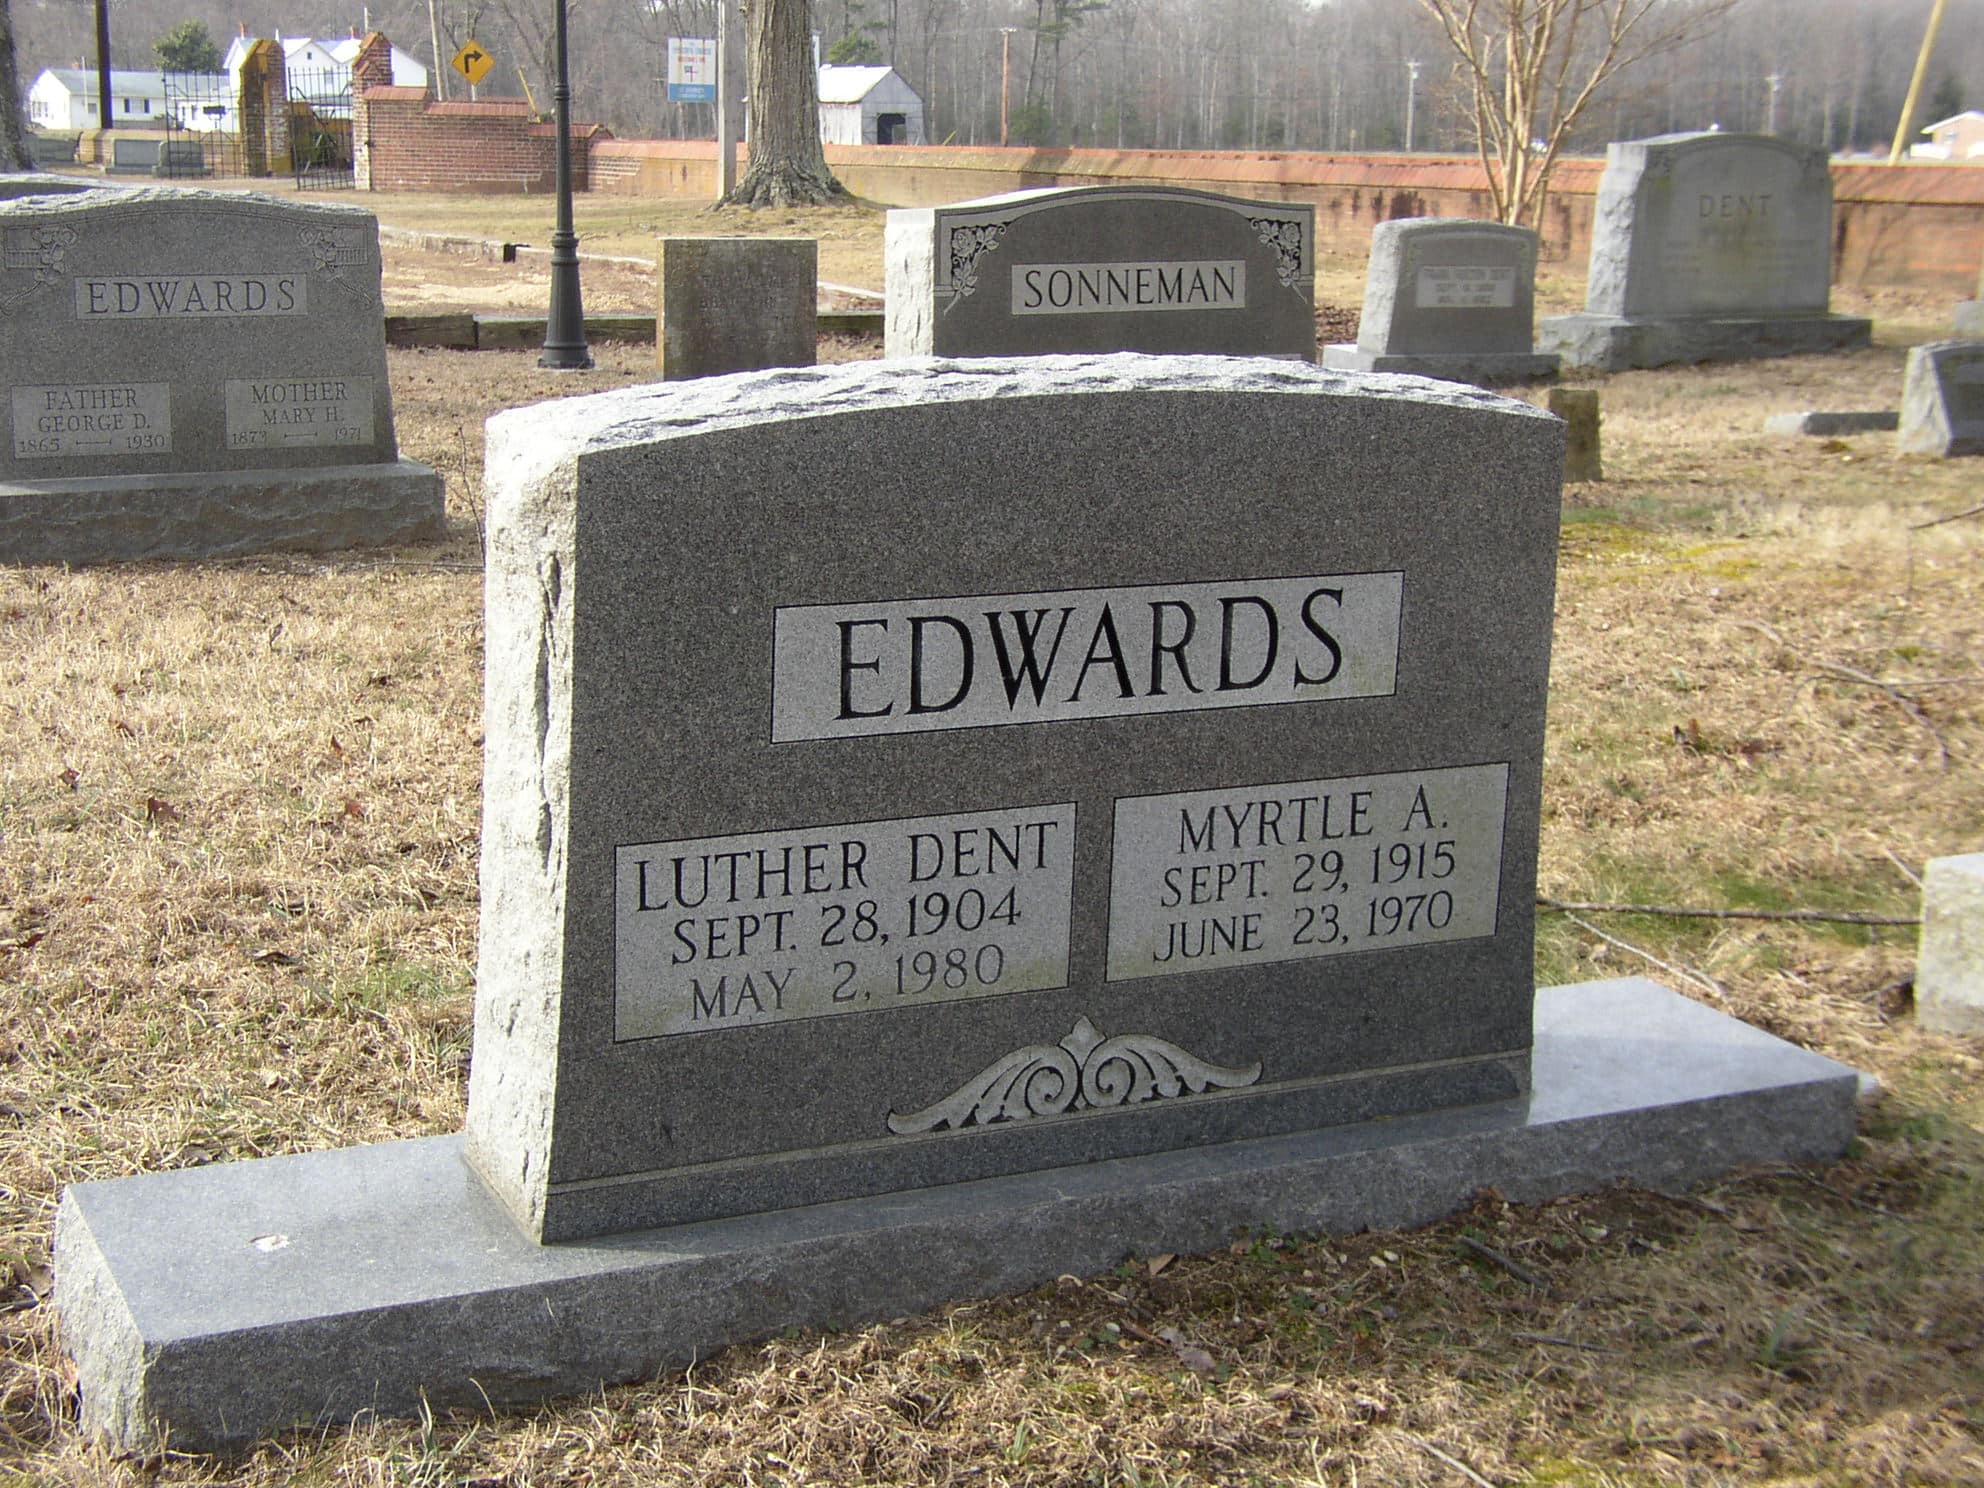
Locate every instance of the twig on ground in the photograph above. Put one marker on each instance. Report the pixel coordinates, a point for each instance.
(1952, 517)
(1454, 1462)
(1509, 1264)
(1556, 1342)
(1906, 871)
(1906, 703)
(1699, 978)
(1671, 911)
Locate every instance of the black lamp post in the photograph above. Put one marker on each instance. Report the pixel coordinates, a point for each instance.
(565, 347)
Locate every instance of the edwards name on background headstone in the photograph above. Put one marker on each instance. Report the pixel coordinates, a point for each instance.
(1942, 400)
(1448, 298)
(947, 824)
(1707, 248)
(1101, 269)
(196, 373)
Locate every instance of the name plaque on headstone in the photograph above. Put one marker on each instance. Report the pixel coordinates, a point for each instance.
(730, 932)
(1215, 878)
(1466, 287)
(190, 296)
(287, 413)
(842, 671)
(77, 420)
(1095, 288)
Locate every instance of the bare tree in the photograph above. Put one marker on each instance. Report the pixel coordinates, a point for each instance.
(14, 153)
(1530, 69)
(785, 165)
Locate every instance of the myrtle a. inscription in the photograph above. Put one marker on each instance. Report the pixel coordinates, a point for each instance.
(1238, 877)
(293, 412)
(78, 420)
(812, 922)
(1465, 287)
(900, 666)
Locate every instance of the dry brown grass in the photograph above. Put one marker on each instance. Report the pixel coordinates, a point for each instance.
(237, 916)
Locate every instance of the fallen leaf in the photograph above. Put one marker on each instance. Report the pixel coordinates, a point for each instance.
(69, 777)
(273, 958)
(337, 749)
(123, 728)
(354, 810)
(1158, 1263)
(160, 811)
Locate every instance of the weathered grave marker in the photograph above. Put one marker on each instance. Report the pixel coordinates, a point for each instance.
(1824, 424)
(1969, 323)
(1101, 269)
(917, 862)
(1949, 972)
(1942, 400)
(735, 305)
(196, 373)
(1584, 456)
(1705, 248)
(1448, 298)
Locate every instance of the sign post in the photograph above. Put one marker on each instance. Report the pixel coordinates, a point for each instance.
(692, 67)
(729, 97)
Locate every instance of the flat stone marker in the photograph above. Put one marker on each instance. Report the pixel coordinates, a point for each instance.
(1100, 269)
(1448, 298)
(192, 374)
(1821, 424)
(735, 305)
(920, 860)
(1707, 247)
(1942, 400)
(1949, 971)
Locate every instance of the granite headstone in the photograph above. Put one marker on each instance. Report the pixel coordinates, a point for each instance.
(1451, 298)
(1942, 400)
(1969, 321)
(947, 824)
(1949, 971)
(1101, 269)
(194, 373)
(1707, 247)
(735, 305)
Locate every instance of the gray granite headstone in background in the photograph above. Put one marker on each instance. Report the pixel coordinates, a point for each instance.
(1707, 247)
(1969, 324)
(1452, 298)
(735, 305)
(193, 373)
(1949, 973)
(1942, 400)
(1101, 269)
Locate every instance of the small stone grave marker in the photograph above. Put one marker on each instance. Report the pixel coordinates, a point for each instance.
(1942, 400)
(735, 305)
(194, 373)
(948, 824)
(1100, 269)
(1949, 975)
(1448, 298)
(1707, 247)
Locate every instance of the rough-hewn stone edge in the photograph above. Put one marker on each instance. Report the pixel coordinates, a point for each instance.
(555, 1320)
(316, 509)
(1478, 369)
(97, 1331)
(1949, 973)
(1604, 343)
(121, 198)
(659, 411)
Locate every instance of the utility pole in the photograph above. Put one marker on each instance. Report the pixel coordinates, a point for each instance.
(1915, 83)
(103, 119)
(1775, 81)
(1411, 100)
(729, 97)
(1004, 78)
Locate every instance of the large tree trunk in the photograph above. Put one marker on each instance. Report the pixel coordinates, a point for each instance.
(784, 166)
(14, 153)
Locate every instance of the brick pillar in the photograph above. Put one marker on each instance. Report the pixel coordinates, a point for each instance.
(263, 109)
(371, 68)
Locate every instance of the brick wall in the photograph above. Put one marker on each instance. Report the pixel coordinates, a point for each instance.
(1905, 226)
(412, 143)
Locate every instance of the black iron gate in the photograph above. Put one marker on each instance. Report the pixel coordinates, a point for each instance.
(203, 132)
(320, 127)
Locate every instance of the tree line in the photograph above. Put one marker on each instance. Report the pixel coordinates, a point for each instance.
(1318, 75)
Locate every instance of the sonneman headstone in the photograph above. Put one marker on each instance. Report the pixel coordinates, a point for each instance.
(1101, 269)
(947, 824)
(1942, 400)
(1451, 298)
(1707, 247)
(196, 373)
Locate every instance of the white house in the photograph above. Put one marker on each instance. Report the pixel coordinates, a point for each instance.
(320, 69)
(868, 106)
(66, 98)
(1959, 137)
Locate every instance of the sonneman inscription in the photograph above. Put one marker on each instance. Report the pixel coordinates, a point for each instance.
(1100, 288)
(731, 932)
(1236, 877)
(72, 420)
(899, 666)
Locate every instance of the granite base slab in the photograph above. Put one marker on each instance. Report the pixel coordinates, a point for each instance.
(1608, 343)
(1482, 369)
(119, 519)
(1832, 425)
(212, 1305)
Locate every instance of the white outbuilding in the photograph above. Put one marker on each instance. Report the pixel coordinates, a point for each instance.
(66, 98)
(868, 106)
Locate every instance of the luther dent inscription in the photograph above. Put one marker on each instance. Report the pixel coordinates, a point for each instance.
(730, 932)
(289, 412)
(1465, 287)
(76, 420)
(1241, 876)
(900, 666)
